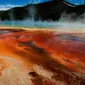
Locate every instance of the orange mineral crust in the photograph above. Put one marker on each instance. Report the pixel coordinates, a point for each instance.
(41, 57)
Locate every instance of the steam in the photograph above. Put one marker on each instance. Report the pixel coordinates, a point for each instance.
(32, 15)
(65, 22)
(39, 24)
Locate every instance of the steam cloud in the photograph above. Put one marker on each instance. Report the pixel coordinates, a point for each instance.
(65, 22)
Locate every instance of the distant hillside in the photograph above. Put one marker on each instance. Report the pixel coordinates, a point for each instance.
(45, 11)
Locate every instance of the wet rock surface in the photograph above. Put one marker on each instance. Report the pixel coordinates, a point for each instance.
(26, 60)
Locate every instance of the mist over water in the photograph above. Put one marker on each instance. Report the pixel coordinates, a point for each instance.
(65, 22)
(45, 24)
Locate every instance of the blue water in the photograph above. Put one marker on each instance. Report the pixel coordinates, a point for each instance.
(45, 24)
(30, 23)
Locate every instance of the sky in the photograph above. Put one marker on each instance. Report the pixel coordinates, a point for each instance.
(21, 2)
(6, 4)
(77, 2)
